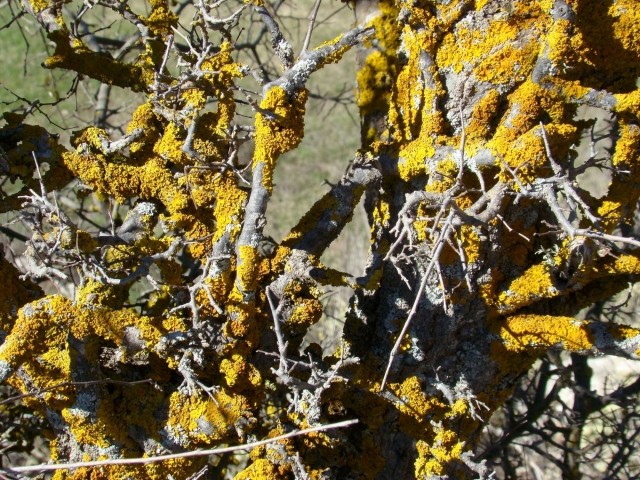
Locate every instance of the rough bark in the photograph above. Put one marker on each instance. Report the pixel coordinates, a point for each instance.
(483, 246)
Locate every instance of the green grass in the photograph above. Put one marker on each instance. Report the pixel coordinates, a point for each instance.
(22, 75)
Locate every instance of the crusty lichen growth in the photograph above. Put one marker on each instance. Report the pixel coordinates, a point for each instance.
(279, 129)
(510, 76)
(240, 373)
(524, 337)
(46, 358)
(161, 20)
(535, 283)
(375, 76)
(524, 332)
(434, 457)
(198, 421)
(457, 98)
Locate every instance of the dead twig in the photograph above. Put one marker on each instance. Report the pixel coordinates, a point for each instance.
(191, 454)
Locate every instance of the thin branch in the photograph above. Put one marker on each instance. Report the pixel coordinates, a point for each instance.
(191, 454)
(297, 75)
(282, 344)
(312, 21)
(280, 45)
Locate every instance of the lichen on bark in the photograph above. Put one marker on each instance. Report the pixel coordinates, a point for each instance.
(483, 245)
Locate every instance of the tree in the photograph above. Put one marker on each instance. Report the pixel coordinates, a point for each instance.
(484, 246)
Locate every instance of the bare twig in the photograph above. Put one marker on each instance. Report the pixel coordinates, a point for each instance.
(191, 454)
(282, 344)
(312, 21)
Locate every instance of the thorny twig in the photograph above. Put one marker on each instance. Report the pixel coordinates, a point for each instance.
(546, 189)
(403, 227)
(190, 382)
(142, 269)
(41, 265)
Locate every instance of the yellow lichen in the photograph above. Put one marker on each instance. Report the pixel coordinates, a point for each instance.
(443, 175)
(628, 102)
(161, 19)
(238, 371)
(169, 147)
(72, 54)
(229, 207)
(199, 421)
(479, 127)
(39, 5)
(149, 181)
(523, 332)
(279, 128)
(39, 326)
(432, 459)
(375, 77)
(459, 408)
(470, 243)
(306, 313)
(500, 51)
(413, 399)
(535, 283)
(248, 259)
(86, 430)
(260, 469)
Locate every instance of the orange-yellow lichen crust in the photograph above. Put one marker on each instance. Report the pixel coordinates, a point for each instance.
(522, 338)
(520, 332)
(239, 373)
(274, 460)
(161, 19)
(204, 202)
(433, 457)
(74, 55)
(52, 319)
(279, 129)
(40, 344)
(373, 76)
(439, 424)
(174, 468)
(71, 53)
(507, 75)
(497, 49)
(619, 203)
(534, 284)
(434, 73)
(195, 421)
(261, 469)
